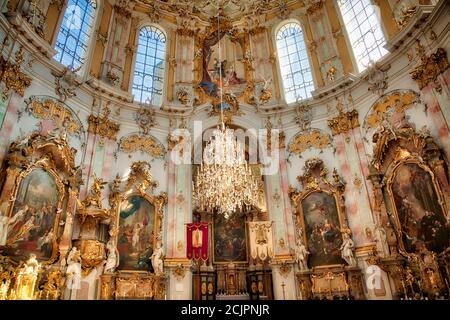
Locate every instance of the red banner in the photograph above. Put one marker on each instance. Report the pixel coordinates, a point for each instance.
(197, 240)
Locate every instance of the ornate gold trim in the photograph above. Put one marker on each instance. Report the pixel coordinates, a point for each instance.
(430, 68)
(12, 75)
(47, 108)
(304, 140)
(142, 143)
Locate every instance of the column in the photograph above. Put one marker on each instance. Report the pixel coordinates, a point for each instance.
(280, 212)
(179, 213)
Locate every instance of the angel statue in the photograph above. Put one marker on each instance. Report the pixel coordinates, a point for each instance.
(347, 250)
(74, 269)
(111, 262)
(157, 259)
(301, 255)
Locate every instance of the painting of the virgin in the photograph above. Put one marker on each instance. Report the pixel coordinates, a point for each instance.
(322, 229)
(230, 243)
(30, 228)
(136, 232)
(419, 212)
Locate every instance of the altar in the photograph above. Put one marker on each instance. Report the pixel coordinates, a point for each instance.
(232, 297)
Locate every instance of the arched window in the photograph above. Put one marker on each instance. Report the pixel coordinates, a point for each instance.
(148, 81)
(75, 32)
(294, 63)
(364, 31)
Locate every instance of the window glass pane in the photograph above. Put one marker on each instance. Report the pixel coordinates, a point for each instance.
(76, 28)
(148, 80)
(294, 63)
(364, 30)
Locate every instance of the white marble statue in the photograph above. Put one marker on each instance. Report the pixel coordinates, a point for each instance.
(347, 250)
(158, 259)
(111, 262)
(74, 269)
(301, 255)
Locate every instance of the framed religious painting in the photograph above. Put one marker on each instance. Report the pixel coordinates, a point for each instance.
(32, 223)
(322, 228)
(230, 239)
(417, 204)
(137, 232)
(320, 211)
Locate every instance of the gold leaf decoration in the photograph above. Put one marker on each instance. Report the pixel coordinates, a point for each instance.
(309, 139)
(400, 100)
(51, 109)
(142, 143)
(12, 74)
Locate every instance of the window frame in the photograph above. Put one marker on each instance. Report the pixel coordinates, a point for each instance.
(308, 54)
(135, 55)
(349, 42)
(91, 43)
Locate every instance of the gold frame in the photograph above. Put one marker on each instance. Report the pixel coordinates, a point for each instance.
(391, 173)
(246, 245)
(138, 182)
(157, 221)
(314, 180)
(53, 155)
(62, 197)
(301, 216)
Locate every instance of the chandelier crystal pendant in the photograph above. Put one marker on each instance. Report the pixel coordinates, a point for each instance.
(224, 182)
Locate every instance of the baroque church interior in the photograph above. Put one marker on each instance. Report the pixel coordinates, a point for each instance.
(224, 149)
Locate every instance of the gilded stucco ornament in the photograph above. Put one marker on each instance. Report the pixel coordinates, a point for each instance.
(397, 101)
(102, 126)
(142, 143)
(310, 139)
(430, 67)
(12, 74)
(345, 121)
(47, 108)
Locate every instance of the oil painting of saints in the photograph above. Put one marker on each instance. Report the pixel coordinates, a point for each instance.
(421, 217)
(230, 239)
(322, 229)
(30, 228)
(136, 231)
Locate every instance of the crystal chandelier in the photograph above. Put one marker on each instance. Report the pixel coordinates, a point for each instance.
(224, 181)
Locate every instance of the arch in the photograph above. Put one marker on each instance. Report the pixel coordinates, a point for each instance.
(74, 37)
(295, 66)
(364, 31)
(149, 66)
